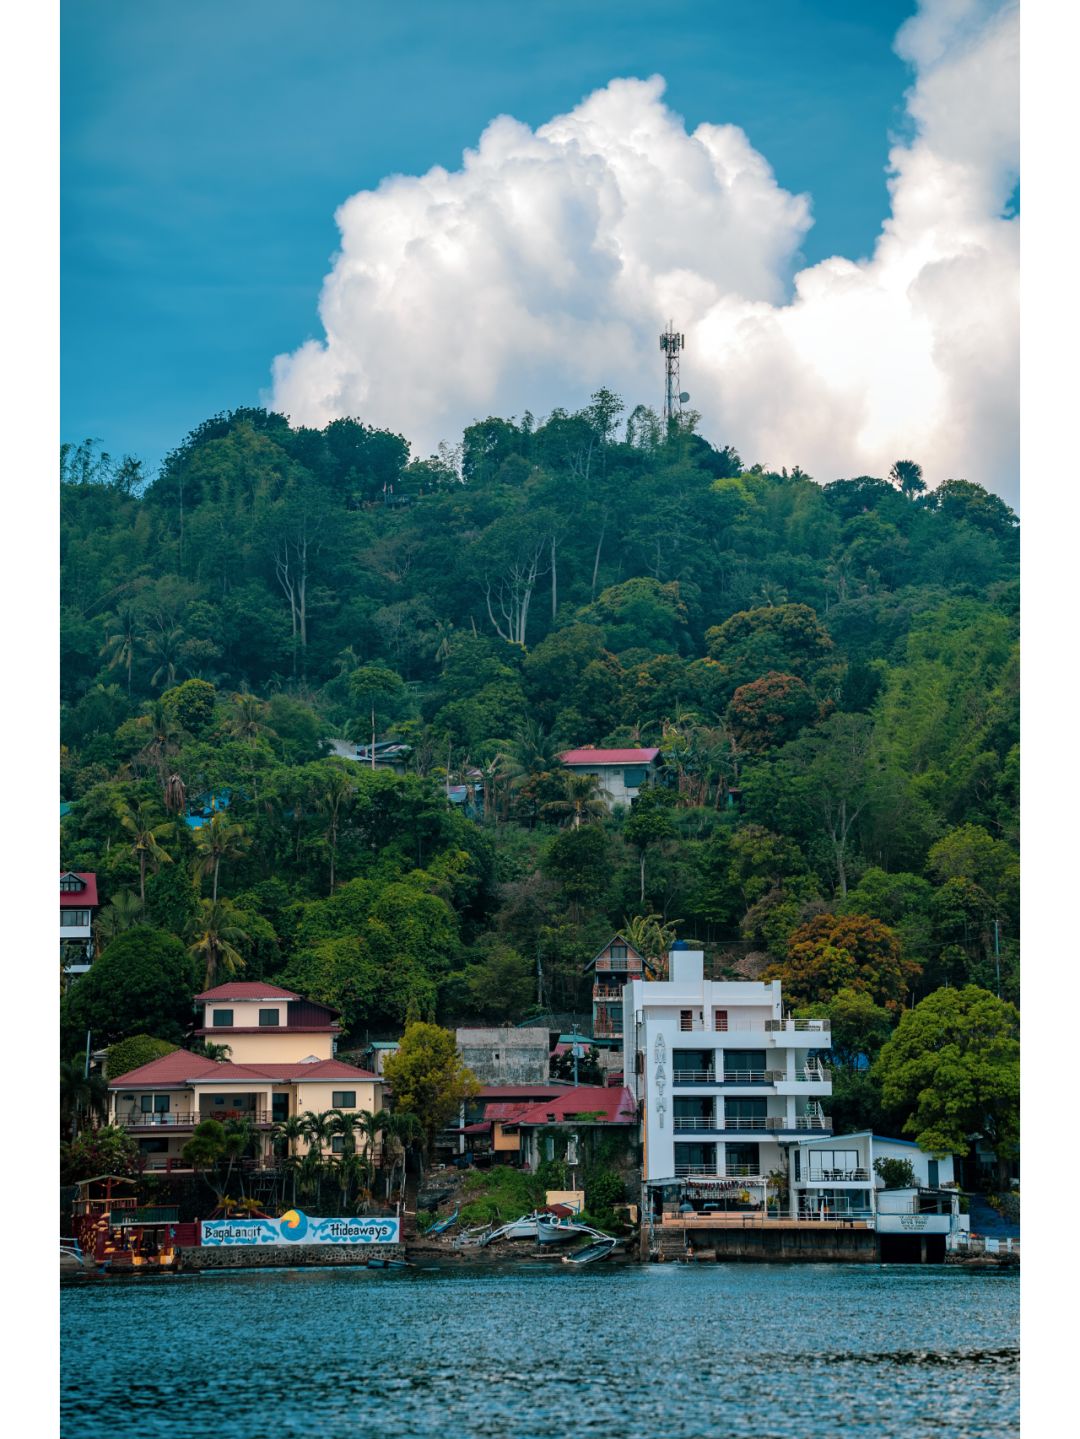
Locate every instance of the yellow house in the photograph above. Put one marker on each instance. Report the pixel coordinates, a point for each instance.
(260, 1021)
(162, 1102)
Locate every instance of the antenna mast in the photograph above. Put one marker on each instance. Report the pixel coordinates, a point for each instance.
(672, 343)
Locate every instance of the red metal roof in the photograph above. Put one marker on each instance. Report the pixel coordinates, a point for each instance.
(589, 755)
(518, 1091)
(615, 1106)
(246, 989)
(79, 898)
(181, 1067)
(505, 1112)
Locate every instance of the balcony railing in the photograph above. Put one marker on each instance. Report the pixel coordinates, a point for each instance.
(187, 1119)
(774, 1026)
(808, 1075)
(731, 1171)
(745, 1026)
(837, 1176)
(699, 1123)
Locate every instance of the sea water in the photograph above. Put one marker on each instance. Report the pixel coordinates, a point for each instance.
(541, 1351)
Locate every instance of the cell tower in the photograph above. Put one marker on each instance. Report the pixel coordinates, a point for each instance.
(672, 344)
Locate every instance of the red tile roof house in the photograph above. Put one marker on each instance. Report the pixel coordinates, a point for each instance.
(620, 772)
(569, 1125)
(78, 905)
(161, 1103)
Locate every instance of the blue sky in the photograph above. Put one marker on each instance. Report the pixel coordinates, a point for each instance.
(205, 148)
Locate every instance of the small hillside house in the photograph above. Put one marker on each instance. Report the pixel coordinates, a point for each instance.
(621, 773)
(78, 905)
(616, 963)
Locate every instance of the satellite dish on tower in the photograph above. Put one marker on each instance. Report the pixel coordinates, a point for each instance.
(683, 397)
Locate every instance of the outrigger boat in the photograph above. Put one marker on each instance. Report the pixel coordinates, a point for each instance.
(550, 1230)
(600, 1248)
(443, 1224)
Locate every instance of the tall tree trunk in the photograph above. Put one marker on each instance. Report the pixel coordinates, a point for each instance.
(217, 866)
(142, 876)
(554, 581)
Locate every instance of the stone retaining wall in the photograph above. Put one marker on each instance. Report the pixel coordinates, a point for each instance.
(273, 1256)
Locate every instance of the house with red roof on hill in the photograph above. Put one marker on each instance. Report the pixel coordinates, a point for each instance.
(261, 1021)
(621, 773)
(78, 906)
(160, 1104)
(574, 1124)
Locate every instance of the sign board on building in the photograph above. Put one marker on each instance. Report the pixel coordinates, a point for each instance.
(296, 1227)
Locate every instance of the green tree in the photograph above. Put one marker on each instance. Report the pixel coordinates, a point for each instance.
(142, 983)
(83, 1096)
(953, 1067)
(191, 705)
(428, 1079)
(106, 1150)
(844, 952)
(770, 711)
(129, 1054)
(648, 824)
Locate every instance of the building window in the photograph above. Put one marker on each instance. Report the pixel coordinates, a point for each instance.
(634, 778)
(223, 1019)
(153, 1146)
(154, 1103)
(74, 918)
(337, 1144)
(720, 1020)
(686, 1019)
(744, 1061)
(343, 1099)
(269, 1018)
(71, 884)
(618, 951)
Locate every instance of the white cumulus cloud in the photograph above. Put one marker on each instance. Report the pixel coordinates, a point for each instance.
(548, 263)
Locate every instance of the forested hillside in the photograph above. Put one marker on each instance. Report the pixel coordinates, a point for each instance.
(830, 671)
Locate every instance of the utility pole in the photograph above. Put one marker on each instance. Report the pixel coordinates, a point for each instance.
(574, 1051)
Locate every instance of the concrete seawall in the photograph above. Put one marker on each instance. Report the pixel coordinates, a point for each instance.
(838, 1246)
(274, 1256)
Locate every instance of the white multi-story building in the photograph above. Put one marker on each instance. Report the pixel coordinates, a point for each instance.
(725, 1082)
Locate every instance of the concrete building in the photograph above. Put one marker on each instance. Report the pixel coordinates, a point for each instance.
(621, 773)
(506, 1054)
(161, 1103)
(78, 905)
(727, 1082)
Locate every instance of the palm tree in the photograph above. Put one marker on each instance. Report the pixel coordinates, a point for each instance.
(333, 800)
(240, 1135)
(175, 794)
(81, 1094)
(216, 841)
(214, 933)
(529, 755)
(401, 1128)
(345, 1122)
(907, 476)
(209, 1050)
(122, 912)
(581, 800)
(650, 934)
(122, 640)
(163, 647)
(318, 1130)
(138, 820)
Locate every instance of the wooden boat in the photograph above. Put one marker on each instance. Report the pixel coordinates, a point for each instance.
(388, 1264)
(471, 1238)
(550, 1230)
(444, 1224)
(600, 1248)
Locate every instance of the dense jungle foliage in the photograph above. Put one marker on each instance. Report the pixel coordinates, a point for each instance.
(830, 671)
